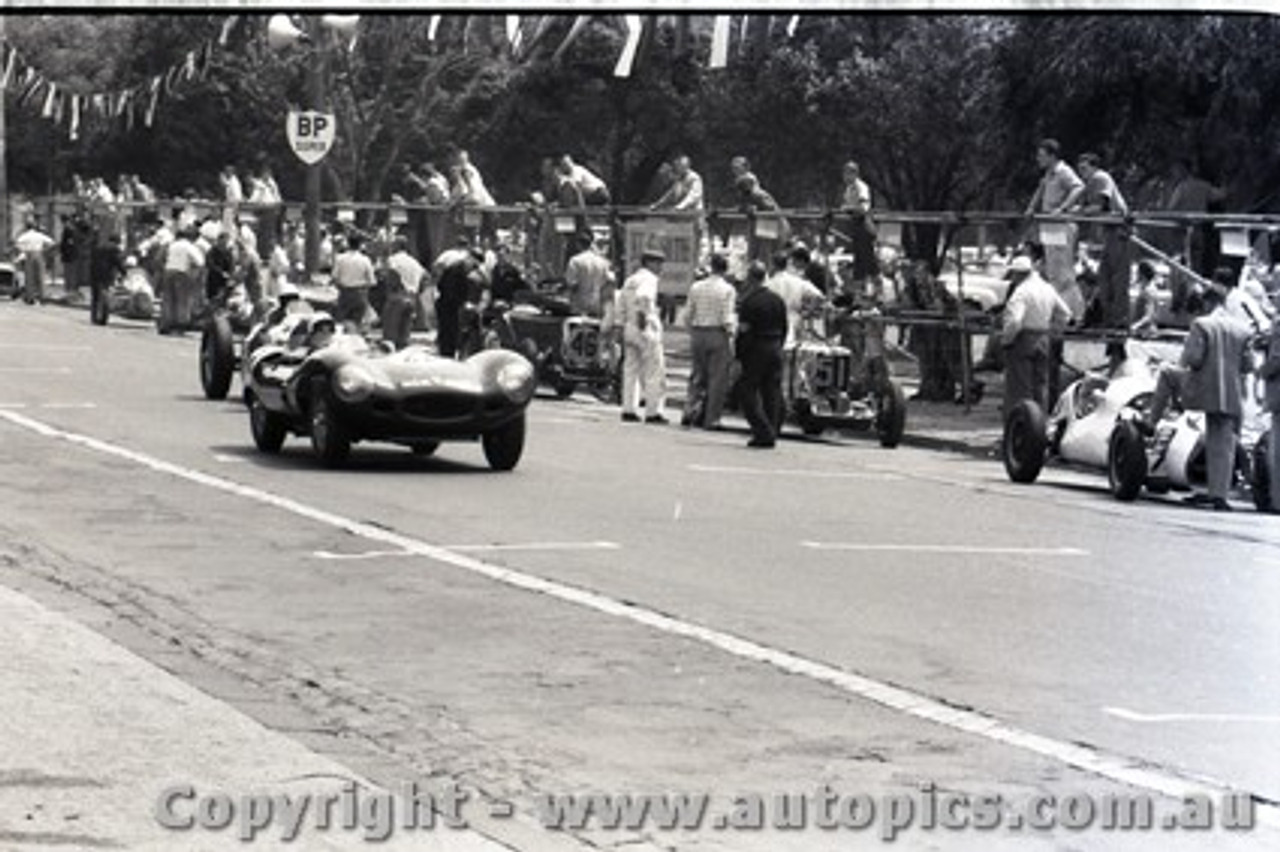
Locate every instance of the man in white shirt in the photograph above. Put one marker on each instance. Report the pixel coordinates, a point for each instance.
(183, 263)
(353, 275)
(589, 187)
(589, 279)
(713, 324)
(796, 290)
(685, 192)
(34, 245)
(643, 364)
(1034, 310)
(469, 188)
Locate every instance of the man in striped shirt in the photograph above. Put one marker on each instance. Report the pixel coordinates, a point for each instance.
(713, 322)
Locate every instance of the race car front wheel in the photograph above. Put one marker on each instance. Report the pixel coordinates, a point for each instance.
(504, 445)
(269, 428)
(217, 357)
(1126, 461)
(1025, 442)
(891, 414)
(330, 440)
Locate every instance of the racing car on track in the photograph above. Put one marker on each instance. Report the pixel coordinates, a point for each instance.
(338, 388)
(1093, 426)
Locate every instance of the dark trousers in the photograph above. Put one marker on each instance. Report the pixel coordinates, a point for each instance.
(1026, 370)
(762, 388)
(709, 380)
(397, 318)
(447, 328)
(353, 304)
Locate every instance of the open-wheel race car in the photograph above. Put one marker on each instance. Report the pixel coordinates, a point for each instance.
(1093, 426)
(338, 389)
(228, 332)
(567, 351)
(829, 385)
(131, 296)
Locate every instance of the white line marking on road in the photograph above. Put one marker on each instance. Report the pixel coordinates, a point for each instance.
(1159, 718)
(675, 516)
(464, 548)
(69, 405)
(1116, 767)
(944, 548)
(226, 459)
(59, 370)
(47, 347)
(816, 474)
(13, 405)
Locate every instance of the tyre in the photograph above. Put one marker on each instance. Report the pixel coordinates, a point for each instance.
(99, 305)
(891, 415)
(564, 388)
(503, 446)
(1260, 482)
(1025, 442)
(1126, 461)
(269, 428)
(217, 357)
(330, 440)
(424, 449)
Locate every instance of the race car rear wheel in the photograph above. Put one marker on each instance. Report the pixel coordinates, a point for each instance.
(1025, 442)
(564, 388)
(1126, 461)
(504, 445)
(891, 415)
(269, 428)
(1260, 483)
(330, 440)
(217, 357)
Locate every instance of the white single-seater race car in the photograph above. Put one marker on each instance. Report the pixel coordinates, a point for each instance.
(1092, 426)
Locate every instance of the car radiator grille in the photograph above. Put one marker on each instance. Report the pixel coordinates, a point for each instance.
(440, 406)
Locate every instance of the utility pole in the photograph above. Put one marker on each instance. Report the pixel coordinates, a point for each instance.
(316, 94)
(4, 166)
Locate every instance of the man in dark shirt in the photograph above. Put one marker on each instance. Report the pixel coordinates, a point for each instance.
(762, 328)
(220, 265)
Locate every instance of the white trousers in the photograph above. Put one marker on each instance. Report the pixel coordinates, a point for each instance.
(644, 373)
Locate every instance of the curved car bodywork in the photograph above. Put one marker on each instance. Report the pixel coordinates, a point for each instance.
(411, 397)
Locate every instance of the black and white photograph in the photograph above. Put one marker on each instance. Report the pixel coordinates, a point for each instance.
(593, 427)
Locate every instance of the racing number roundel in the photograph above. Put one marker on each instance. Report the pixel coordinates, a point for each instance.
(311, 134)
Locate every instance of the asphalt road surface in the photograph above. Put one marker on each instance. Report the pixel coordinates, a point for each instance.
(642, 609)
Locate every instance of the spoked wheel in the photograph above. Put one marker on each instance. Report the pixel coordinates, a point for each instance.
(1126, 461)
(1025, 442)
(503, 446)
(330, 440)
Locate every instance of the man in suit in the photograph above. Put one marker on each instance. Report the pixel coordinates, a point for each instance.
(1215, 358)
(762, 328)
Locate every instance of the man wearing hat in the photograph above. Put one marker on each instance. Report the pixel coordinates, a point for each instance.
(1209, 378)
(1033, 310)
(643, 364)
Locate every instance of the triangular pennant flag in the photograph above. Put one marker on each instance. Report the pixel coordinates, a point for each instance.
(513, 30)
(29, 88)
(189, 66)
(98, 104)
(544, 23)
(50, 102)
(74, 131)
(9, 64)
(742, 33)
(578, 23)
(155, 97)
(720, 43)
(433, 26)
(227, 26)
(635, 28)
(791, 26)
(466, 32)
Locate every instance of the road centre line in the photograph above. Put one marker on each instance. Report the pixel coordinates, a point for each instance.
(944, 548)
(59, 370)
(464, 548)
(816, 474)
(48, 347)
(69, 405)
(1160, 718)
(1116, 767)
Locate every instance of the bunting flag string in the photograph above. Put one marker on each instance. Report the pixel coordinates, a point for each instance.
(433, 26)
(635, 28)
(791, 26)
(720, 42)
(74, 129)
(8, 68)
(578, 24)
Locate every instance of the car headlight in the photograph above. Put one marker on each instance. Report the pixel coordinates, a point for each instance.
(516, 381)
(353, 383)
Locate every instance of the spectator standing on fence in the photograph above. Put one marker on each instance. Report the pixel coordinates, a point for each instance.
(1209, 378)
(685, 191)
(713, 323)
(353, 275)
(34, 244)
(753, 198)
(643, 364)
(1194, 194)
(1033, 312)
(1101, 197)
(468, 188)
(762, 328)
(855, 202)
(1056, 194)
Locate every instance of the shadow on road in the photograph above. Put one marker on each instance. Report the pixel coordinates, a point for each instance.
(296, 455)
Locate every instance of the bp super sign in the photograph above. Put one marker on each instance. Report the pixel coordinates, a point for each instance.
(311, 134)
